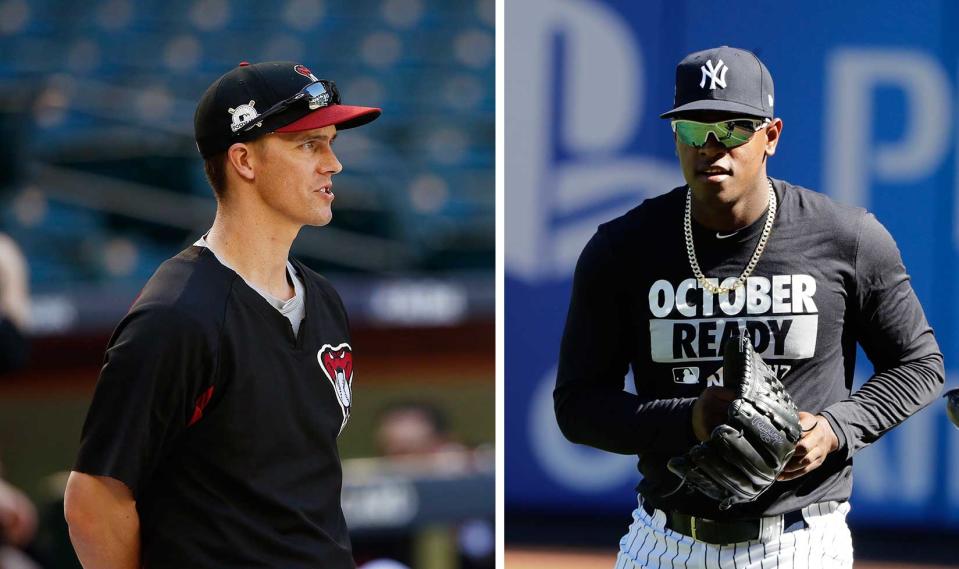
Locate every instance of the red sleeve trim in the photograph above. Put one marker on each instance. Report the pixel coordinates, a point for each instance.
(201, 403)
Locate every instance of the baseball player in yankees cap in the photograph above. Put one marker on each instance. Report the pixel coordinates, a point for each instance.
(211, 438)
(663, 287)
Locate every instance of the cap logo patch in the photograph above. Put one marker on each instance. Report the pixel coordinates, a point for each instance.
(717, 75)
(305, 72)
(243, 115)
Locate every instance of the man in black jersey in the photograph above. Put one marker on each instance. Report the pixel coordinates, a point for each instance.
(211, 438)
(663, 287)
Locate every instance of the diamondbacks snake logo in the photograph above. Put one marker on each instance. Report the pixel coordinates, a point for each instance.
(305, 72)
(337, 365)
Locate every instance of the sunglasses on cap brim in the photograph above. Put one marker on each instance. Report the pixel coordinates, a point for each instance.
(730, 133)
(317, 95)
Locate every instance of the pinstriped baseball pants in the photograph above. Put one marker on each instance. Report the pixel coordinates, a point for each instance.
(825, 544)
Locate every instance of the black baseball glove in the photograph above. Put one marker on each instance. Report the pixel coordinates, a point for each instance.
(742, 457)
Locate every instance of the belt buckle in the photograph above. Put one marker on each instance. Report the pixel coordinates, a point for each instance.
(692, 527)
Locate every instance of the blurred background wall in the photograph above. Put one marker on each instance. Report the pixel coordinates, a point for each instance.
(867, 92)
(100, 181)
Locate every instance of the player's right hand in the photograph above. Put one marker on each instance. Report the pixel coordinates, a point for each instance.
(710, 410)
(818, 440)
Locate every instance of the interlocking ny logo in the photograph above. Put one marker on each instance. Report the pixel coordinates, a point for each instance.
(717, 75)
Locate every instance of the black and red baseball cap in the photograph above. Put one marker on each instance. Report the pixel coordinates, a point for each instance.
(723, 79)
(277, 96)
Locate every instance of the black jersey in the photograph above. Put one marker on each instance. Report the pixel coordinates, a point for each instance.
(224, 423)
(830, 276)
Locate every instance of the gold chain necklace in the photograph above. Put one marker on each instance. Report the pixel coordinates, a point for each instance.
(691, 251)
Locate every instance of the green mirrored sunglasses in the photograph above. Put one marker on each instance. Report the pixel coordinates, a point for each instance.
(730, 133)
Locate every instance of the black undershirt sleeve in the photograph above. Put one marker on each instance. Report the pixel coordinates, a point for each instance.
(591, 406)
(897, 339)
(156, 366)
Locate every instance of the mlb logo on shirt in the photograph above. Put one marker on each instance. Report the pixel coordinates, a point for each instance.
(686, 375)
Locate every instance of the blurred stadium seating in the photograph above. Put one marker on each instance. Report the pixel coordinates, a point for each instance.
(104, 182)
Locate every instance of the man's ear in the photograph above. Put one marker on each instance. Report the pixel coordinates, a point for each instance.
(242, 160)
(773, 132)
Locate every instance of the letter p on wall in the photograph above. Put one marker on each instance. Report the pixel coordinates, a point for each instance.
(853, 155)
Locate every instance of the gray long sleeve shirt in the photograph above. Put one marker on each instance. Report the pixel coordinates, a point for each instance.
(830, 276)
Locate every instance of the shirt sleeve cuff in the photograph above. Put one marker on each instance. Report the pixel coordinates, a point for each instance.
(837, 427)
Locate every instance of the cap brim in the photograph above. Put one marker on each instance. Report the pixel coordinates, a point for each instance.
(715, 105)
(342, 116)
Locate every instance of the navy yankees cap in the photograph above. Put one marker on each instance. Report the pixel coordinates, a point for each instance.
(277, 96)
(723, 79)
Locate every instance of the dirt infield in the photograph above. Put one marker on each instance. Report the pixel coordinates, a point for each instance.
(580, 559)
(541, 559)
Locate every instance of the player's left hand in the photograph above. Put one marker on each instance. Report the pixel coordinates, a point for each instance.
(818, 440)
